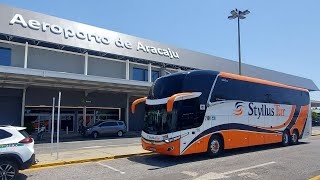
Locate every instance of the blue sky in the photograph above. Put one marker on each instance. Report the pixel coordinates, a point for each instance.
(279, 35)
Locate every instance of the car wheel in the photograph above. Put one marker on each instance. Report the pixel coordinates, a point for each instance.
(295, 137)
(120, 133)
(95, 135)
(285, 138)
(215, 146)
(8, 170)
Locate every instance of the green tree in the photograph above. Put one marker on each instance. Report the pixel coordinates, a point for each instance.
(314, 115)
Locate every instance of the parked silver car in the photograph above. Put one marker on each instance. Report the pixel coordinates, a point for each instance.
(106, 128)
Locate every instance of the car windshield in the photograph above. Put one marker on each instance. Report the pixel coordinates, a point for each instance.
(97, 123)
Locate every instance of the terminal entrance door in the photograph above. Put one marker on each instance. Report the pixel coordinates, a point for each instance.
(71, 118)
(35, 120)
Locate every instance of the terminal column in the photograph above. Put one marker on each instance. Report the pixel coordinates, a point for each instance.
(25, 65)
(127, 69)
(149, 73)
(23, 106)
(86, 64)
(127, 111)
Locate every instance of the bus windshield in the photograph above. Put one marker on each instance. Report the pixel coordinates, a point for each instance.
(195, 81)
(186, 114)
(166, 87)
(158, 121)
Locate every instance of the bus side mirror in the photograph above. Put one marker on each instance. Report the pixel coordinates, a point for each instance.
(133, 106)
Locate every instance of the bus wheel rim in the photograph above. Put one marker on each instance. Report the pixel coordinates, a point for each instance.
(294, 137)
(285, 137)
(215, 146)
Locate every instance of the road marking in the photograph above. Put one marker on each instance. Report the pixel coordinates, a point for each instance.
(70, 163)
(315, 178)
(91, 147)
(190, 173)
(249, 175)
(252, 167)
(114, 169)
(213, 175)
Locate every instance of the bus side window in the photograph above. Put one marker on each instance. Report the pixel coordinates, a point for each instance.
(222, 90)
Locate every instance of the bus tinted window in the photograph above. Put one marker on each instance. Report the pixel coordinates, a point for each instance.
(190, 115)
(198, 82)
(166, 87)
(225, 89)
(230, 89)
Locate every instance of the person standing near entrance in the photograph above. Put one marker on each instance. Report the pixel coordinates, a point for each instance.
(81, 128)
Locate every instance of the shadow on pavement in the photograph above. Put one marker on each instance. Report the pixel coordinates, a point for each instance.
(163, 161)
(21, 177)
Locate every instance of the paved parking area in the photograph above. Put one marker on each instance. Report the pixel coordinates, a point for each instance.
(263, 162)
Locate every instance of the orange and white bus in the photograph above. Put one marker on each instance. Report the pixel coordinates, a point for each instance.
(208, 111)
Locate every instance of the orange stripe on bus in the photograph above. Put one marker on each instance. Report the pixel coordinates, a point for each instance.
(260, 81)
(301, 119)
(293, 109)
(198, 146)
(235, 139)
(172, 99)
(133, 107)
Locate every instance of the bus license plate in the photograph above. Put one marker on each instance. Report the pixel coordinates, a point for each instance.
(152, 149)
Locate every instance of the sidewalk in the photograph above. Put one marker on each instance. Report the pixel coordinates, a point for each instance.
(74, 136)
(88, 155)
(316, 131)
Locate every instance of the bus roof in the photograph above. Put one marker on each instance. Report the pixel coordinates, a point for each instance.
(260, 81)
(235, 76)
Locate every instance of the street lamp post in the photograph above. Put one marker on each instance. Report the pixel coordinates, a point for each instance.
(239, 15)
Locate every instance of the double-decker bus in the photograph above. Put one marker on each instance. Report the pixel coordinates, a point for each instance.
(208, 111)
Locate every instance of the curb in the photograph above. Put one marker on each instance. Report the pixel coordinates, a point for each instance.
(62, 163)
(315, 135)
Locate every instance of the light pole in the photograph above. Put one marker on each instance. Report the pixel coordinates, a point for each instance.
(239, 15)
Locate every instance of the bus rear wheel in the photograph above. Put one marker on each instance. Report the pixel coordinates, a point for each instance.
(285, 138)
(295, 137)
(215, 146)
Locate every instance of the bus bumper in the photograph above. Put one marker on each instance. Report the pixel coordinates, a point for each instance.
(171, 148)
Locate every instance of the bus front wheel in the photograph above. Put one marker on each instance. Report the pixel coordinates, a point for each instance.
(215, 146)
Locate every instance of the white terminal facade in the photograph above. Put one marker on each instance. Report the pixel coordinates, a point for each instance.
(99, 72)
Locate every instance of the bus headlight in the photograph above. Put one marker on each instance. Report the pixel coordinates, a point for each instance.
(172, 139)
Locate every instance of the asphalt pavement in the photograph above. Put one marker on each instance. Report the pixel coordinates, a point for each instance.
(262, 162)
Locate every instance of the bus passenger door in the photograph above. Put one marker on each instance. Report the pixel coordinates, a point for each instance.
(202, 143)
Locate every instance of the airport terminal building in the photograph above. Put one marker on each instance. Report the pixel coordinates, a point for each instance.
(99, 72)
